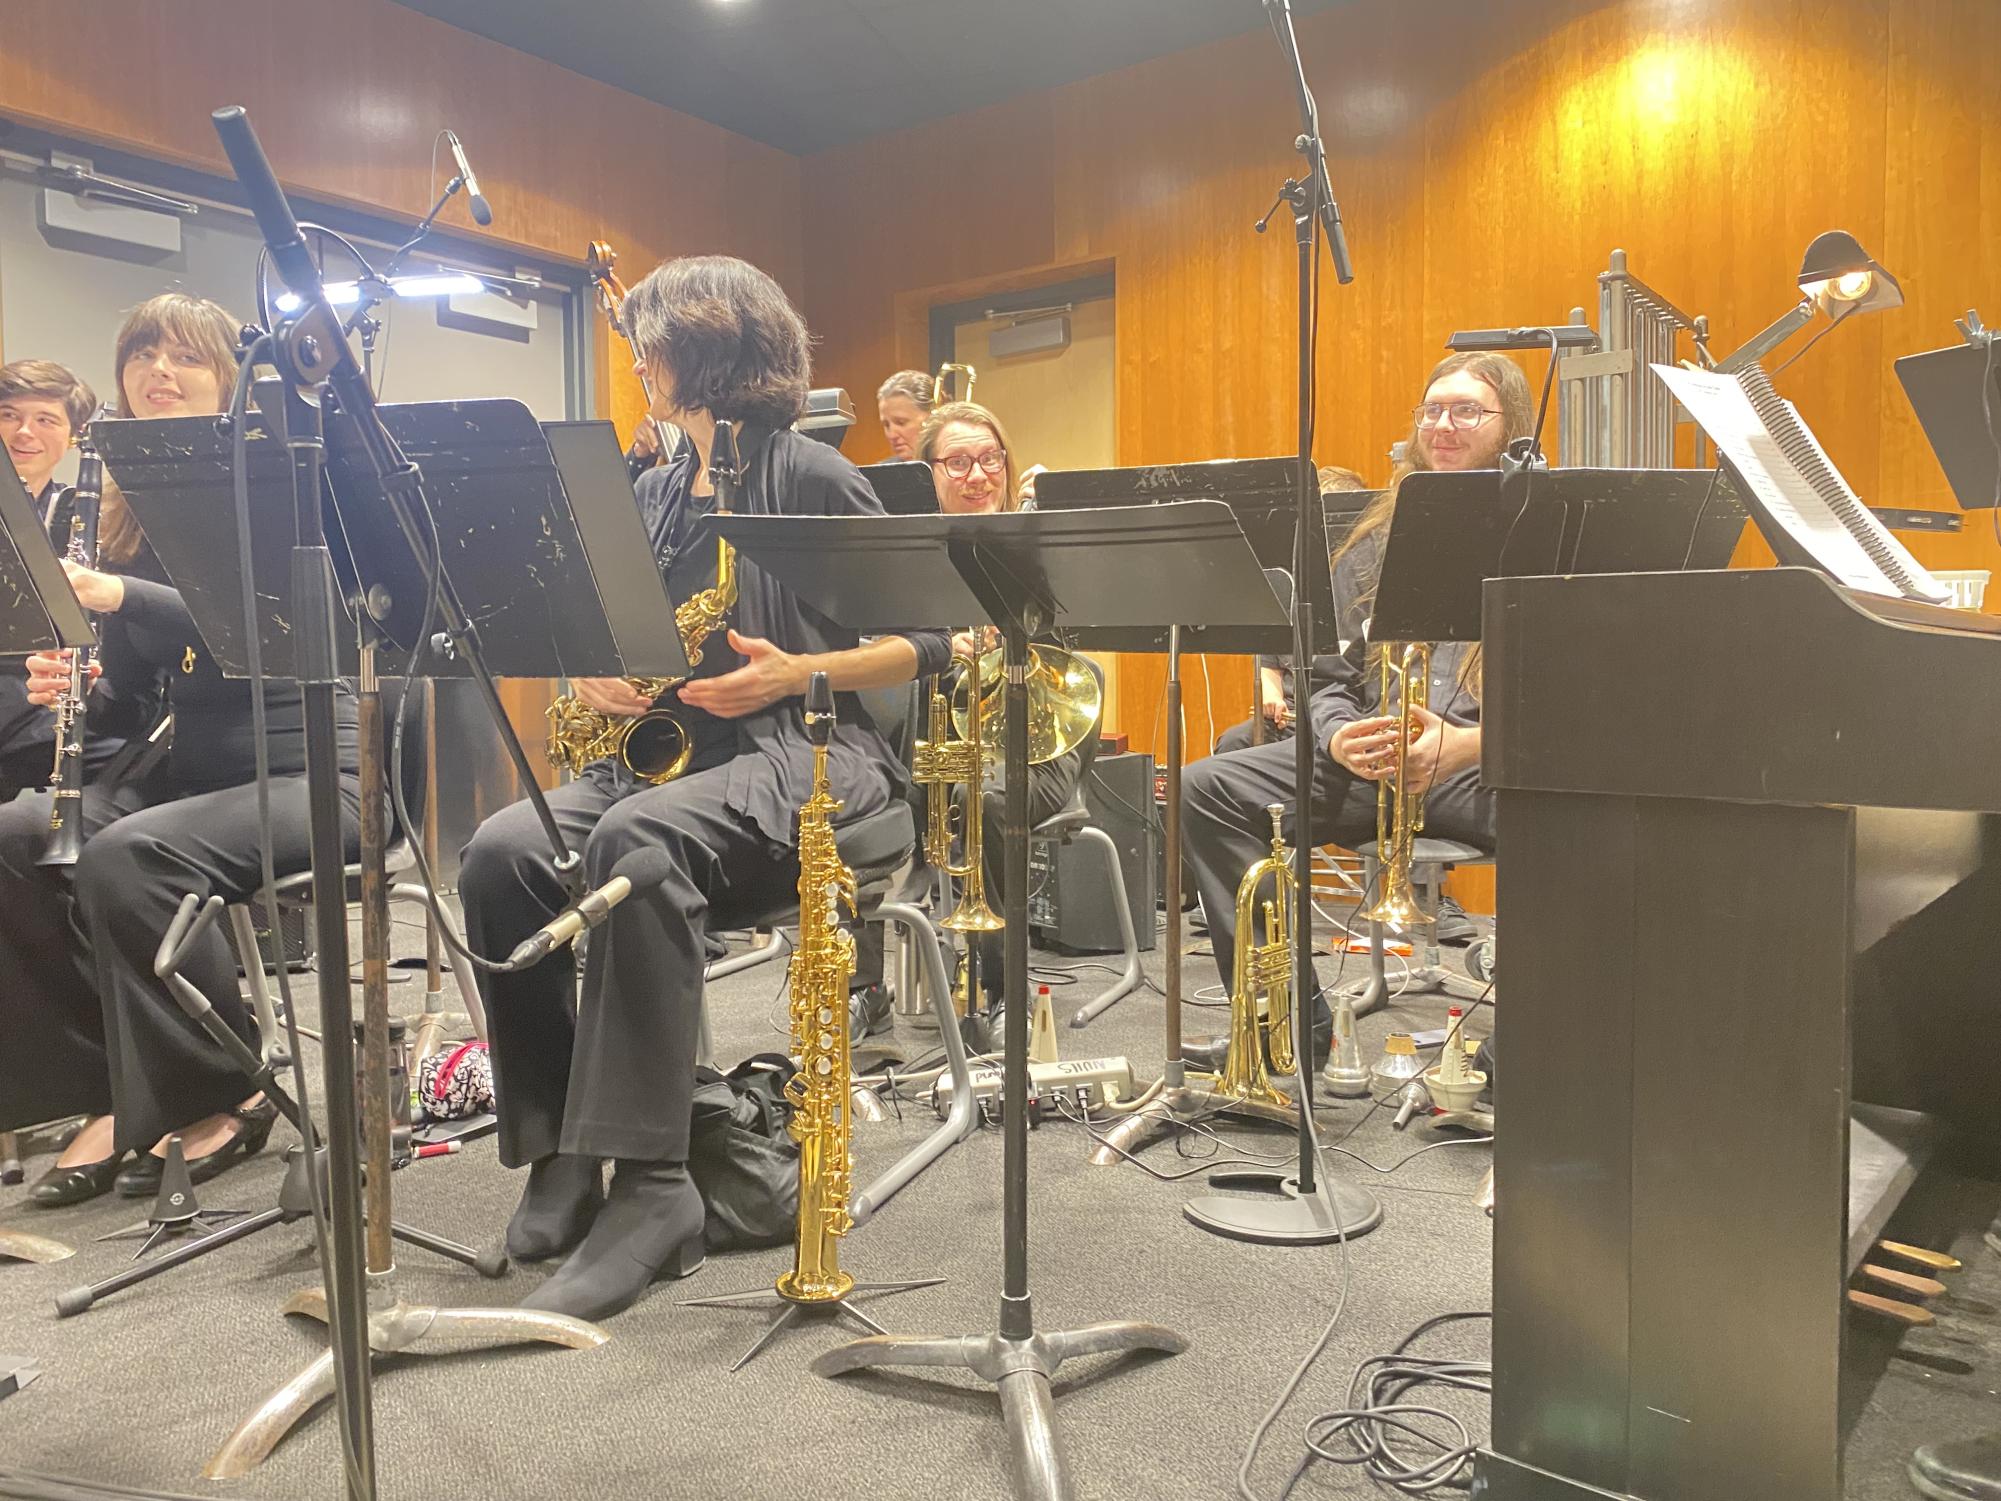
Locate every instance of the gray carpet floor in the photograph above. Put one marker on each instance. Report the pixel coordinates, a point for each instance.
(141, 1389)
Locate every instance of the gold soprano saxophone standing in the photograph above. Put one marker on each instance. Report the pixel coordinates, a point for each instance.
(821, 966)
(66, 781)
(655, 746)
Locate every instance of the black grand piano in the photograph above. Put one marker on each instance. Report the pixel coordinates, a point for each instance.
(1752, 902)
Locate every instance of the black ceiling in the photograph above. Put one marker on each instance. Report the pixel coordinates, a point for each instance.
(806, 75)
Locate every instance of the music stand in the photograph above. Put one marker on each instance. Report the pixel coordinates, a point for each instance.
(1263, 494)
(903, 486)
(1953, 391)
(543, 530)
(1026, 572)
(38, 612)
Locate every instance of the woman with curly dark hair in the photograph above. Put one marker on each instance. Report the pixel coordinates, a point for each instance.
(611, 1074)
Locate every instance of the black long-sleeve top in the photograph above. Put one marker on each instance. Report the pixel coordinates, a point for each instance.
(1348, 687)
(784, 473)
(150, 647)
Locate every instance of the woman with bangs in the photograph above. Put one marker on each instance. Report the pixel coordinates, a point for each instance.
(89, 1029)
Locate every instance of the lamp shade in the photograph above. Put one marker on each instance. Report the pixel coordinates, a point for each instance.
(1837, 271)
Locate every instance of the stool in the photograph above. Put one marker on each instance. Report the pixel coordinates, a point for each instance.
(1430, 859)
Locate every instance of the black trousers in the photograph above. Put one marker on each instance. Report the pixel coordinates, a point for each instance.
(1224, 826)
(615, 1076)
(87, 1026)
(1238, 737)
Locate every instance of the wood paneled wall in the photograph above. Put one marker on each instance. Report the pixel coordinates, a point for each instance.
(347, 99)
(1487, 159)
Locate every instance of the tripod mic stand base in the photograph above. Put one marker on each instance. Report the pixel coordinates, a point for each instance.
(1285, 1216)
(19, 1245)
(396, 1328)
(1172, 1109)
(790, 1312)
(1020, 1369)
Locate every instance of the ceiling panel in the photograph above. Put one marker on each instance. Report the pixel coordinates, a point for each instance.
(807, 75)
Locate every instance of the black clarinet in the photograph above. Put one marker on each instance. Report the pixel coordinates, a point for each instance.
(65, 820)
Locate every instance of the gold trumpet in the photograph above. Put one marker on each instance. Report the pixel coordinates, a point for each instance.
(655, 746)
(1064, 702)
(1262, 970)
(1406, 682)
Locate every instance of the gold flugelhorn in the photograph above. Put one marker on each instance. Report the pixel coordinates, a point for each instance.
(655, 746)
(1405, 681)
(1263, 968)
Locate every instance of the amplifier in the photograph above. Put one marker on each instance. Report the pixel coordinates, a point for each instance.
(295, 936)
(1070, 905)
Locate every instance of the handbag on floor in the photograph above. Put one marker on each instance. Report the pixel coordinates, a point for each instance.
(742, 1156)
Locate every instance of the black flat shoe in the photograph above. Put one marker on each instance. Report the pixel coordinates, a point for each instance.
(1209, 1054)
(253, 1129)
(140, 1178)
(61, 1186)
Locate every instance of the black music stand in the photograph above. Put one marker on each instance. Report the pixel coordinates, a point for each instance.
(1263, 494)
(1453, 532)
(903, 486)
(1954, 391)
(38, 612)
(543, 530)
(1026, 572)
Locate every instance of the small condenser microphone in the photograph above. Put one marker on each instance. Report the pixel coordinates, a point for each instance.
(482, 212)
(639, 872)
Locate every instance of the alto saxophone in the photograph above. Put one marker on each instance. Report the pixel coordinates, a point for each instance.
(821, 966)
(655, 746)
(66, 780)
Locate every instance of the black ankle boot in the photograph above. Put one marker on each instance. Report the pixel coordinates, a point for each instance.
(563, 1197)
(650, 1227)
(1210, 1053)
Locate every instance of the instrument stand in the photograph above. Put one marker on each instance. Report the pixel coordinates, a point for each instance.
(1011, 569)
(175, 1212)
(790, 1310)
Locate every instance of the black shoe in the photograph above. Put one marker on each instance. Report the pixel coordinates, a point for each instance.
(140, 1178)
(1453, 925)
(868, 1011)
(1968, 1469)
(563, 1197)
(650, 1227)
(1209, 1054)
(253, 1129)
(62, 1186)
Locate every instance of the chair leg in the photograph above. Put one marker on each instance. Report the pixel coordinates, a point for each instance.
(776, 945)
(1372, 994)
(960, 1120)
(1129, 978)
(251, 957)
(462, 974)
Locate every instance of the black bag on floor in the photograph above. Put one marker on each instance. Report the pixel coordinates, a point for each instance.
(742, 1156)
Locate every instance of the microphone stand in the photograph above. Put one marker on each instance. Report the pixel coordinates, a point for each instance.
(1301, 1208)
(310, 349)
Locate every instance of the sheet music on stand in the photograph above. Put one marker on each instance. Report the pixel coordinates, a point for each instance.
(1798, 494)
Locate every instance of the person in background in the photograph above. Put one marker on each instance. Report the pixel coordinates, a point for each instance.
(43, 407)
(1275, 675)
(903, 402)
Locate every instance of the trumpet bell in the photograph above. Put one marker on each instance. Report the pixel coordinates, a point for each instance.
(1064, 703)
(1397, 909)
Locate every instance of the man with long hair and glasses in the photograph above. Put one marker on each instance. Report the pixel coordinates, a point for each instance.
(1474, 405)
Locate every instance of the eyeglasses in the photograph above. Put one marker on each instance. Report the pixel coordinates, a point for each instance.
(1466, 414)
(959, 465)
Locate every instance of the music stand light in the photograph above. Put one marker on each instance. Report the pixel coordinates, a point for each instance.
(1837, 277)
